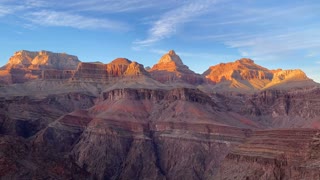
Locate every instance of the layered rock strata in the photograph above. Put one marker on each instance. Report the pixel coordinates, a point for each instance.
(275, 154)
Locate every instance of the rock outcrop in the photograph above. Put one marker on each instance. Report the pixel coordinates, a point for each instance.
(170, 68)
(243, 69)
(117, 67)
(245, 75)
(242, 75)
(26, 65)
(42, 60)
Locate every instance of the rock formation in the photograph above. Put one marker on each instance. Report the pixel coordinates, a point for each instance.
(245, 75)
(171, 69)
(118, 66)
(26, 65)
(42, 60)
(243, 69)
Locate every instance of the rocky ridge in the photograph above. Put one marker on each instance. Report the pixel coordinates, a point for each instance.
(244, 74)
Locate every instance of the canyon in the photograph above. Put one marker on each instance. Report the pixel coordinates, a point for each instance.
(61, 118)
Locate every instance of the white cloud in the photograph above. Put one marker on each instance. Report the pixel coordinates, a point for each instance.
(4, 10)
(54, 18)
(169, 22)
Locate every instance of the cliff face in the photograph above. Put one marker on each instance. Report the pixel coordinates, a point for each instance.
(25, 116)
(274, 154)
(284, 109)
(171, 69)
(143, 133)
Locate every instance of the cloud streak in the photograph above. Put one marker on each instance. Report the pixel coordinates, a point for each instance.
(63, 19)
(50, 13)
(114, 6)
(170, 21)
(276, 43)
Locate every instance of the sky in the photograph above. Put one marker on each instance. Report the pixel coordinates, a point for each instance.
(275, 34)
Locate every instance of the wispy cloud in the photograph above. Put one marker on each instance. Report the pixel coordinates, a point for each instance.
(114, 6)
(36, 3)
(4, 11)
(276, 44)
(169, 22)
(55, 13)
(54, 18)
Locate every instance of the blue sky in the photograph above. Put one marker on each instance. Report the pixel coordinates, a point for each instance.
(275, 34)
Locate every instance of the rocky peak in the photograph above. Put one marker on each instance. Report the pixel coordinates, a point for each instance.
(172, 53)
(123, 61)
(170, 68)
(171, 57)
(118, 66)
(245, 61)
